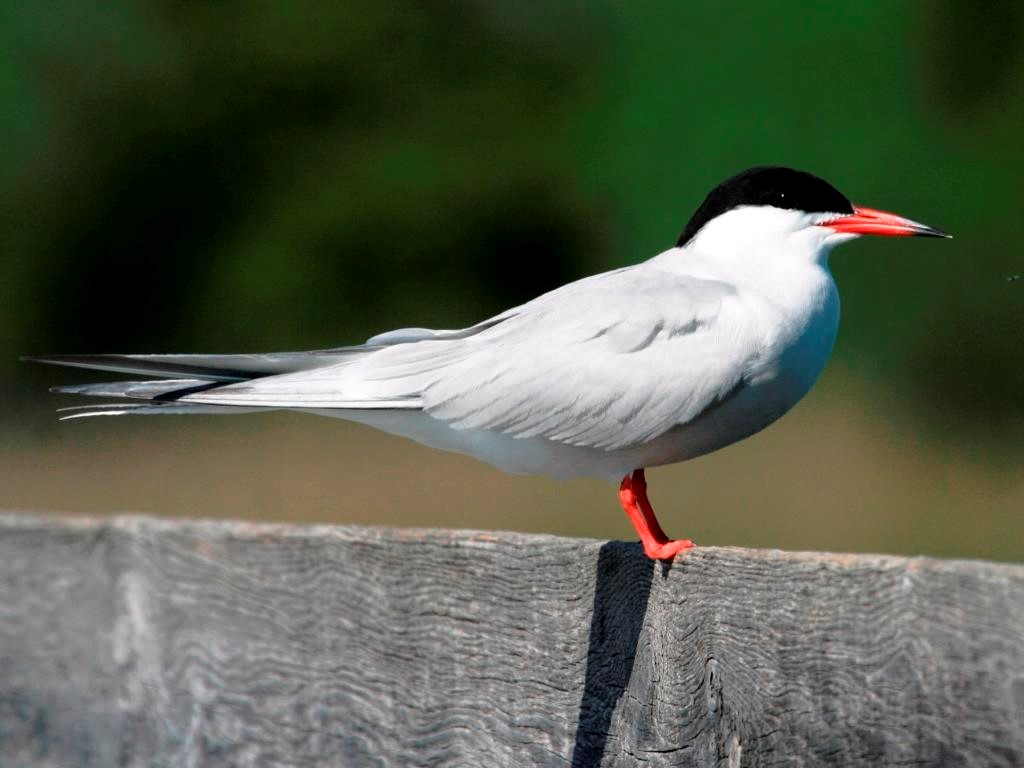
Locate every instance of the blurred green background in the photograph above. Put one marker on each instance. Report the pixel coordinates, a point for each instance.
(245, 176)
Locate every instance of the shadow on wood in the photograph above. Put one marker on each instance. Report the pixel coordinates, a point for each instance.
(620, 604)
(139, 642)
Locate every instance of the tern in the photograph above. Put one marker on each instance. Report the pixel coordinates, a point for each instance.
(670, 359)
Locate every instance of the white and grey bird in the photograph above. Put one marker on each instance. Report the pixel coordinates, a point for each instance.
(683, 354)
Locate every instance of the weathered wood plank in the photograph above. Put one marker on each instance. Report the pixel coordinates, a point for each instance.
(139, 642)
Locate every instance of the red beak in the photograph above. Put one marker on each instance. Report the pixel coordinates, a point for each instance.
(868, 221)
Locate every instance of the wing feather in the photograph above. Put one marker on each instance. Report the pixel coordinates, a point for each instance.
(636, 354)
(606, 362)
(208, 367)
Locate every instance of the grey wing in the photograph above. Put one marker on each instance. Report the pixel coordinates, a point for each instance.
(391, 373)
(609, 361)
(632, 358)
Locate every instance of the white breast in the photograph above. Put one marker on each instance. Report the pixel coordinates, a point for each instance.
(789, 306)
(797, 336)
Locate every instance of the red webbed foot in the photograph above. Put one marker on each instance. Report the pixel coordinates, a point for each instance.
(668, 550)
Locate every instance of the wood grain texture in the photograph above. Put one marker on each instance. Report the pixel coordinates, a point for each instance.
(140, 642)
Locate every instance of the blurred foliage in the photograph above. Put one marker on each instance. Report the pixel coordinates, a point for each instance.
(241, 176)
(248, 174)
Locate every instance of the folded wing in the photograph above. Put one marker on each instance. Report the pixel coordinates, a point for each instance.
(610, 361)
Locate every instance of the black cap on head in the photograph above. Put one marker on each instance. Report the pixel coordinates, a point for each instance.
(772, 185)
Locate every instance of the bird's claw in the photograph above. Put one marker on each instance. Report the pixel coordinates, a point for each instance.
(666, 550)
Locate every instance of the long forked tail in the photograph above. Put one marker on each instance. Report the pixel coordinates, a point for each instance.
(193, 373)
(159, 396)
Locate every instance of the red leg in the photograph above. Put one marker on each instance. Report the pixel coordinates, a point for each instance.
(633, 497)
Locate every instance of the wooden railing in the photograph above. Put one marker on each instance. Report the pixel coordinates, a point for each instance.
(142, 642)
